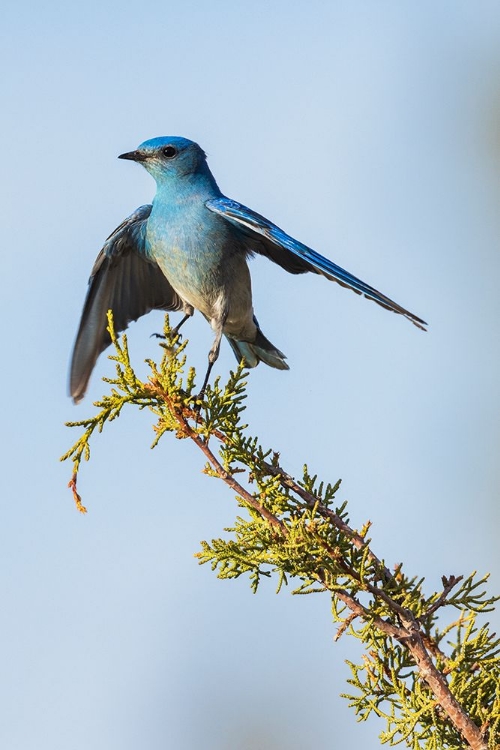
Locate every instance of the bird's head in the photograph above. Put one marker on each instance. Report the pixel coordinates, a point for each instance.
(168, 156)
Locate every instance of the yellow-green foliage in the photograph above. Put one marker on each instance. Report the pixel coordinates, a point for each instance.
(293, 530)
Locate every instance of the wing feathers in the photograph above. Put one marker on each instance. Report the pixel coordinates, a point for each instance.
(269, 240)
(126, 281)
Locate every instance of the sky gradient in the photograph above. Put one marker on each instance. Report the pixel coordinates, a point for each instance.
(369, 131)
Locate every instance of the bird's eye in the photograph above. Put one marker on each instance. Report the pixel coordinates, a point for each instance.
(169, 152)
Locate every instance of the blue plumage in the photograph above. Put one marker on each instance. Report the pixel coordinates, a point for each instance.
(189, 251)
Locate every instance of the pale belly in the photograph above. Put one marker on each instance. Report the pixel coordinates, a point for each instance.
(215, 283)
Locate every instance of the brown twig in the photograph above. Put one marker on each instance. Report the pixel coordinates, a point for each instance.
(76, 497)
(343, 627)
(449, 584)
(408, 633)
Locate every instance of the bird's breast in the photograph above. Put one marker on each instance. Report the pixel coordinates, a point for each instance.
(198, 256)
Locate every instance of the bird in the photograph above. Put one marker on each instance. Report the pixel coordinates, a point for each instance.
(188, 251)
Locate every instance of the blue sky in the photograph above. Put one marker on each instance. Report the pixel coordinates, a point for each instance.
(369, 131)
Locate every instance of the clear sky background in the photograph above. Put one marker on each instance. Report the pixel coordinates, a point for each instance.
(370, 131)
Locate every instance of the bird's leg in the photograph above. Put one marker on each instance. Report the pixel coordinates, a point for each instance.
(213, 354)
(189, 312)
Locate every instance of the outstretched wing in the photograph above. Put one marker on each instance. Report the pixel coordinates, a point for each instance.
(125, 281)
(269, 240)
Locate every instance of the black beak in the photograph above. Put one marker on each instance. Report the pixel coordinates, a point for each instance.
(133, 156)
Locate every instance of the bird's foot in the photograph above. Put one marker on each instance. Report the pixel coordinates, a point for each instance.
(174, 337)
(197, 404)
(197, 401)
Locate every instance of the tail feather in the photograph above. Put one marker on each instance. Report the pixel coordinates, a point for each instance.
(260, 350)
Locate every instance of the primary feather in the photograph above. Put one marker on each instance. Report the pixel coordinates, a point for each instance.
(295, 257)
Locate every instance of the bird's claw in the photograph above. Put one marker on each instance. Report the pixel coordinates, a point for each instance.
(166, 342)
(174, 335)
(197, 403)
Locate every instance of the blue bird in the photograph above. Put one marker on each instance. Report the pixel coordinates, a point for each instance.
(188, 251)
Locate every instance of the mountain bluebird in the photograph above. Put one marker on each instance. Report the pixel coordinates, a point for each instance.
(188, 251)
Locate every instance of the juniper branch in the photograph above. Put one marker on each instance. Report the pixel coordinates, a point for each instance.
(433, 693)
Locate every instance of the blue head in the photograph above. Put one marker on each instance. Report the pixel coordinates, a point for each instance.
(170, 157)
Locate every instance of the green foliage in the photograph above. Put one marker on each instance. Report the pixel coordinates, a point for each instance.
(436, 686)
